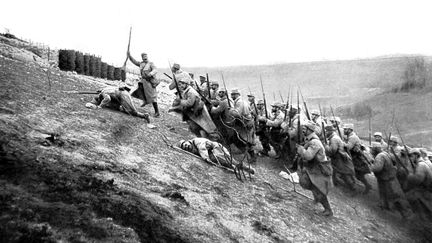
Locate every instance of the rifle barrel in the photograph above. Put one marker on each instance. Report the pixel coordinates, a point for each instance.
(264, 99)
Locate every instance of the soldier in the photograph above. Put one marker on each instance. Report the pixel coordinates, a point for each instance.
(245, 123)
(203, 86)
(213, 152)
(214, 90)
(179, 75)
(389, 189)
(419, 191)
(117, 98)
(341, 161)
(316, 171)
(194, 111)
(274, 122)
(379, 139)
(361, 163)
(261, 129)
(147, 85)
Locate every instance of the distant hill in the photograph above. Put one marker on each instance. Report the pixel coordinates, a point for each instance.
(336, 82)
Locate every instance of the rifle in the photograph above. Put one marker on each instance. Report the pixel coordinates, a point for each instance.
(127, 56)
(298, 119)
(226, 91)
(81, 92)
(202, 96)
(370, 132)
(255, 107)
(398, 160)
(406, 148)
(322, 124)
(305, 106)
(287, 105)
(337, 125)
(264, 99)
(208, 85)
(290, 109)
(168, 76)
(175, 81)
(281, 97)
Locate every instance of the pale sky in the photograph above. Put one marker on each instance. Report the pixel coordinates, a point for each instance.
(225, 32)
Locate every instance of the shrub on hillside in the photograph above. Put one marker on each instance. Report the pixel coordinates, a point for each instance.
(123, 75)
(92, 67)
(415, 76)
(87, 64)
(67, 60)
(110, 72)
(117, 73)
(104, 67)
(79, 62)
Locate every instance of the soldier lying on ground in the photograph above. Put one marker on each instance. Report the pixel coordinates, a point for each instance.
(117, 98)
(213, 152)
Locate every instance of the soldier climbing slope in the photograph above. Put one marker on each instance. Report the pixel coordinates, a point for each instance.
(316, 171)
(146, 90)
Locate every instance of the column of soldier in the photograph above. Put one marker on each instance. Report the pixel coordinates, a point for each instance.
(321, 149)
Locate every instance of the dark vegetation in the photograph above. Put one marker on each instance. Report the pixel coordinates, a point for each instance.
(90, 65)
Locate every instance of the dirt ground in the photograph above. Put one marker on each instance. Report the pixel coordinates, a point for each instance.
(72, 174)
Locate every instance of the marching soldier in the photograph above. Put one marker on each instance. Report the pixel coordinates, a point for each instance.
(194, 110)
(419, 191)
(147, 85)
(389, 189)
(241, 112)
(316, 171)
(214, 90)
(274, 122)
(117, 98)
(341, 161)
(261, 129)
(361, 163)
(379, 139)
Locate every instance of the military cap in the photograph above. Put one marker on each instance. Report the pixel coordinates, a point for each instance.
(176, 65)
(202, 77)
(394, 139)
(183, 80)
(348, 126)
(235, 91)
(215, 83)
(276, 104)
(414, 151)
(377, 134)
(251, 95)
(311, 125)
(329, 128)
(260, 102)
(143, 54)
(315, 112)
(423, 151)
(221, 89)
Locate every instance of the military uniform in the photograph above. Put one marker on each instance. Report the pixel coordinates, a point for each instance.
(214, 152)
(389, 189)
(197, 116)
(341, 161)
(115, 98)
(419, 193)
(146, 90)
(316, 172)
(274, 123)
(361, 163)
(261, 130)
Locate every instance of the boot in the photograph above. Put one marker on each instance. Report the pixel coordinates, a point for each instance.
(156, 109)
(327, 209)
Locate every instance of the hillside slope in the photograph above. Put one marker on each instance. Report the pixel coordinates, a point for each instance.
(72, 174)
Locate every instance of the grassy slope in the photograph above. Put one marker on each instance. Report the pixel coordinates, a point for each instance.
(107, 175)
